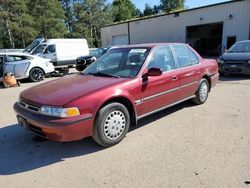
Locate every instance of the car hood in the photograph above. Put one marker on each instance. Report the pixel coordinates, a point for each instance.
(236, 56)
(63, 90)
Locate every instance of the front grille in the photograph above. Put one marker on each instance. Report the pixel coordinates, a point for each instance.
(235, 62)
(29, 107)
(233, 70)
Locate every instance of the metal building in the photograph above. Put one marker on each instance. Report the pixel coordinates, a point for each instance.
(209, 29)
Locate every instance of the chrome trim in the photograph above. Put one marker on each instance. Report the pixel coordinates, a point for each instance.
(138, 102)
(29, 107)
(159, 94)
(163, 108)
(186, 85)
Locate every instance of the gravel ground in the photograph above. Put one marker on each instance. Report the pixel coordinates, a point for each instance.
(184, 146)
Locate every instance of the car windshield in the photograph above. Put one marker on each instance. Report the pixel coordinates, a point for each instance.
(39, 49)
(240, 47)
(123, 62)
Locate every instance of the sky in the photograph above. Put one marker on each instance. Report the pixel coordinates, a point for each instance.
(189, 3)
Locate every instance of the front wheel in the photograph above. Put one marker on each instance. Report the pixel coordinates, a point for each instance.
(36, 74)
(111, 124)
(202, 92)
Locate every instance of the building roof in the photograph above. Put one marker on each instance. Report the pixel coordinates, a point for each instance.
(174, 12)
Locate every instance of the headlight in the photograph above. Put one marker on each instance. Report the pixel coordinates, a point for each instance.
(60, 112)
(220, 61)
(249, 61)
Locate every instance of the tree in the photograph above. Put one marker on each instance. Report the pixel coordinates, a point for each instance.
(148, 10)
(124, 10)
(49, 18)
(17, 23)
(171, 5)
(89, 16)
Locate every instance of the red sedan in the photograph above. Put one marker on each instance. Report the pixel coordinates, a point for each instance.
(123, 86)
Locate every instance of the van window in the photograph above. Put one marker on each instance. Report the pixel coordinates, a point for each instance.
(50, 49)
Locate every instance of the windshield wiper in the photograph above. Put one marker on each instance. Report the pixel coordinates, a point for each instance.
(103, 74)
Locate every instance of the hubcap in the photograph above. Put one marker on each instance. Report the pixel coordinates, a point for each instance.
(114, 125)
(203, 92)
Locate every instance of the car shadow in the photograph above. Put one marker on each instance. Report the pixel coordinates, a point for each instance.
(22, 151)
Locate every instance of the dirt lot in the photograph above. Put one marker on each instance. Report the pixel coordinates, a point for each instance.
(184, 146)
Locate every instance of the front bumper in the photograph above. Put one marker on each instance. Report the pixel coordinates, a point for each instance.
(56, 129)
(235, 68)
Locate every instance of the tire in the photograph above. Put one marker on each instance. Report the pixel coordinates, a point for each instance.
(111, 124)
(64, 71)
(201, 94)
(36, 74)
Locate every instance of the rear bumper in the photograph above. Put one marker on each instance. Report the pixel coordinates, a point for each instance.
(214, 79)
(56, 129)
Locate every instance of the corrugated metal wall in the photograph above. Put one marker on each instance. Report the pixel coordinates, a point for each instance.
(169, 28)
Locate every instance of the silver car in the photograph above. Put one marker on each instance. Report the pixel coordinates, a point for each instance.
(25, 66)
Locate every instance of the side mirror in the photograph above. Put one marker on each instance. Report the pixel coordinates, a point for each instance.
(154, 72)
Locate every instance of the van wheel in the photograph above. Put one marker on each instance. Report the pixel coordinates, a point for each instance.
(111, 124)
(64, 71)
(202, 92)
(36, 74)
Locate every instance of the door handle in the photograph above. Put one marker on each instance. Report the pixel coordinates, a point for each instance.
(174, 77)
(198, 72)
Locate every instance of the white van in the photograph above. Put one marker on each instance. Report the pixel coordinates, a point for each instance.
(62, 52)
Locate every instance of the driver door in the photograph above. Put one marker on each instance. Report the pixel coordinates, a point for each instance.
(50, 52)
(160, 91)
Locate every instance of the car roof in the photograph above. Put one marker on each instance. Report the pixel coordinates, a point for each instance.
(16, 53)
(243, 41)
(147, 45)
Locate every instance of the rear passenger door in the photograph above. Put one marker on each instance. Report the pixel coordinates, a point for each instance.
(188, 70)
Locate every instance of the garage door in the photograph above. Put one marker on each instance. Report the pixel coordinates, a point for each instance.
(120, 39)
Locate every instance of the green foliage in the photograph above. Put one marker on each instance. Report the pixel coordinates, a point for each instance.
(124, 10)
(49, 18)
(23, 20)
(171, 5)
(16, 23)
(148, 10)
(88, 17)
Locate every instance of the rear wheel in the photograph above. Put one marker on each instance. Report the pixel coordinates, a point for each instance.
(111, 124)
(36, 74)
(202, 92)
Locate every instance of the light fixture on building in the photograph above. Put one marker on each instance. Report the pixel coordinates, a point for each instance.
(201, 18)
(230, 16)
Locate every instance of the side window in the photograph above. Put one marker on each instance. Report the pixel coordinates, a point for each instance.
(193, 58)
(10, 58)
(162, 58)
(182, 55)
(50, 49)
(19, 58)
